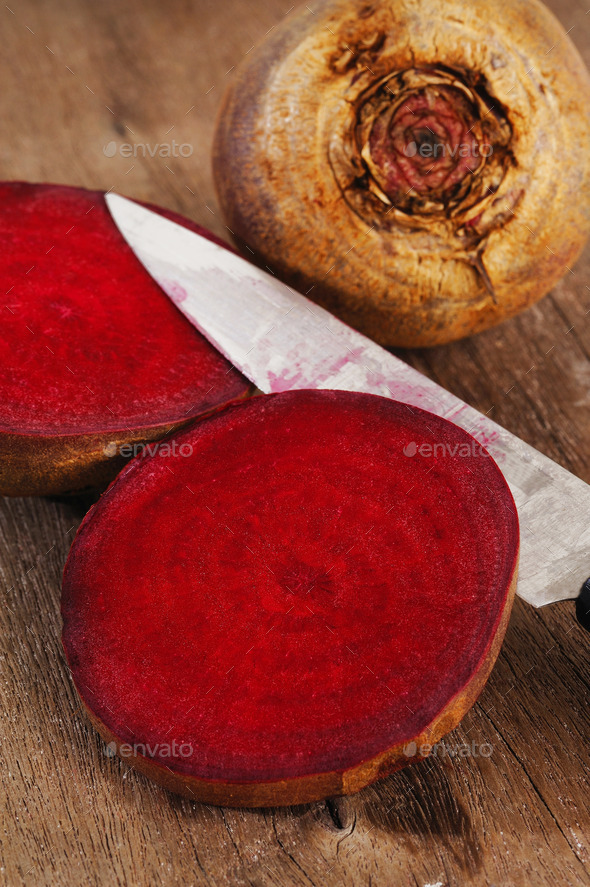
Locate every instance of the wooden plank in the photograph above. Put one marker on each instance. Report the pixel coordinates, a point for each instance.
(76, 77)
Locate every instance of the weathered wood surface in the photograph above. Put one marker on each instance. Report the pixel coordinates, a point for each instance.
(76, 76)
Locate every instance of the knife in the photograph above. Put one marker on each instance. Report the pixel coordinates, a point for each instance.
(281, 340)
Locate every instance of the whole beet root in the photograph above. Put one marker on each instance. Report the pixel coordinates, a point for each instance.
(420, 167)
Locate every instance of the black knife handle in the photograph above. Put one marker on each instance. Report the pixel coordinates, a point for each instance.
(583, 606)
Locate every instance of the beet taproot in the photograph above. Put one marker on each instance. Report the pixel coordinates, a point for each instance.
(294, 602)
(95, 358)
(420, 168)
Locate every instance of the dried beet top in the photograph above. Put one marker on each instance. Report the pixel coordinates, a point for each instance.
(273, 613)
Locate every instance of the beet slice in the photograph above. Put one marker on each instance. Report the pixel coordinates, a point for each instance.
(272, 613)
(94, 355)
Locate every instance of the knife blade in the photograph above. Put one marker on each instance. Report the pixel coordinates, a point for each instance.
(281, 340)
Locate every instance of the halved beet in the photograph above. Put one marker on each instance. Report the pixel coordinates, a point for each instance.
(94, 355)
(274, 613)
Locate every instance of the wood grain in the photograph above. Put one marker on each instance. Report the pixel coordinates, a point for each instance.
(75, 77)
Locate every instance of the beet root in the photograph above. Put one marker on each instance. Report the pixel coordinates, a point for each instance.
(96, 360)
(312, 587)
(422, 169)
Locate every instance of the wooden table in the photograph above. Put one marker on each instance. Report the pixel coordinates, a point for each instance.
(75, 77)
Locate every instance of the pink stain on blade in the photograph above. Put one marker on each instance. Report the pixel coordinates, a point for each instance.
(486, 439)
(296, 375)
(399, 389)
(175, 291)
(289, 379)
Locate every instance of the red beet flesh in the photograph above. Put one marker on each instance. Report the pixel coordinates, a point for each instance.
(296, 596)
(89, 341)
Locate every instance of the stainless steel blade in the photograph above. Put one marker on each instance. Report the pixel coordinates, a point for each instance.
(281, 341)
